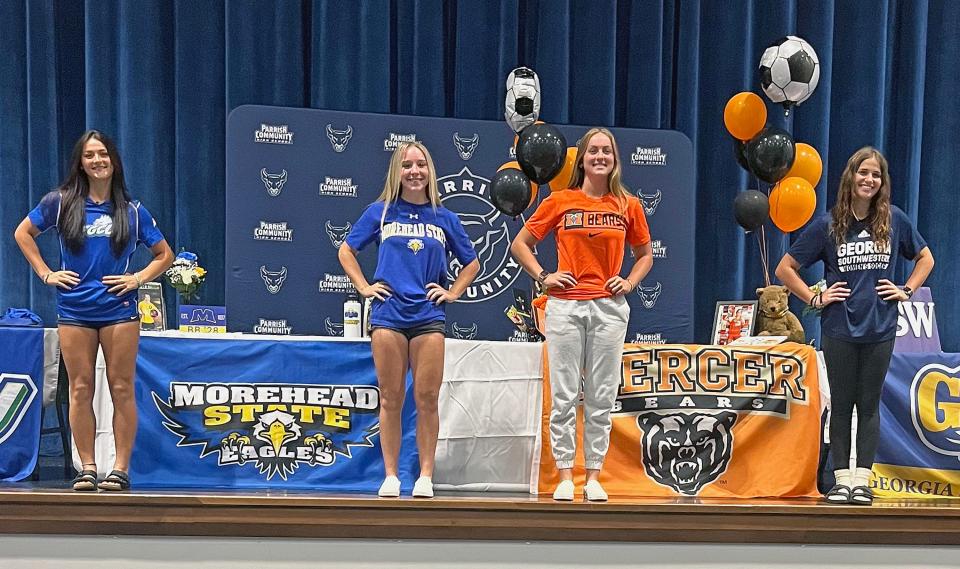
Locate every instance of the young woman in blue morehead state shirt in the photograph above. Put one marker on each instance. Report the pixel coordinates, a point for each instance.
(413, 233)
(860, 242)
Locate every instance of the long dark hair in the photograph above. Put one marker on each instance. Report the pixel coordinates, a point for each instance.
(75, 189)
(879, 215)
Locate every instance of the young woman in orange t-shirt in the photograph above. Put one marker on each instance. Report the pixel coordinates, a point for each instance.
(587, 313)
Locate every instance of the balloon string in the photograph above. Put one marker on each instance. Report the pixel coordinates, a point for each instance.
(764, 256)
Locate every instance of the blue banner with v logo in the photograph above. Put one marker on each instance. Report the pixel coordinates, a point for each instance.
(21, 389)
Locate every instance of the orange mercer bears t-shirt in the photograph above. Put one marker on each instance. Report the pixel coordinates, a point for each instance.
(590, 235)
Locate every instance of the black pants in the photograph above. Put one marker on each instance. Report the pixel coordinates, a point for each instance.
(855, 373)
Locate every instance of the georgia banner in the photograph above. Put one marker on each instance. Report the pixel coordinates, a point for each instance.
(710, 421)
(918, 455)
(294, 414)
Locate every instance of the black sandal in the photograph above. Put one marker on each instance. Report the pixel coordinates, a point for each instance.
(862, 496)
(839, 494)
(86, 481)
(116, 481)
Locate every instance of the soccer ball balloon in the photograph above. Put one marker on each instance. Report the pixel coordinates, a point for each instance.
(522, 104)
(789, 71)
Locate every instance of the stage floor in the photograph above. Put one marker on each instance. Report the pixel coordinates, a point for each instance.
(52, 508)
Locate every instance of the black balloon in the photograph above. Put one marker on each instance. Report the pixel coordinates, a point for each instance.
(770, 154)
(510, 191)
(541, 151)
(739, 147)
(752, 209)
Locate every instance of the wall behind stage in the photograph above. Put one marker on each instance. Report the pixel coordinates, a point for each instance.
(162, 76)
(297, 179)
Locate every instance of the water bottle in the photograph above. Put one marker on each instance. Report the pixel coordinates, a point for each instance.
(351, 316)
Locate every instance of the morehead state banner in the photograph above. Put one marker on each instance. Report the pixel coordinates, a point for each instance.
(918, 455)
(730, 422)
(261, 413)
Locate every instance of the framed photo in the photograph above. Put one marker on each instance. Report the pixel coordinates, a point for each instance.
(732, 320)
(150, 306)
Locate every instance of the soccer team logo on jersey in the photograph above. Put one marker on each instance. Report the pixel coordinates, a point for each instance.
(415, 245)
(275, 428)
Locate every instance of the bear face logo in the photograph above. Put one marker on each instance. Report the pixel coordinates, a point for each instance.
(686, 451)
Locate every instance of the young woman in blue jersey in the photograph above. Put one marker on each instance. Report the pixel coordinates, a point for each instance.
(99, 228)
(413, 233)
(860, 242)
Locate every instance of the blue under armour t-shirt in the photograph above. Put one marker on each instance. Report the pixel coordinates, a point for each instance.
(861, 262)
(412, 253)
(89, 300)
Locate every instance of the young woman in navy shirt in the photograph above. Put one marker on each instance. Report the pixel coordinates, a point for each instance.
(860, 242)
(99, 227)
(414, 233)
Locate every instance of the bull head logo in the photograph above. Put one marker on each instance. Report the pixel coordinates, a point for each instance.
(464, 333)
(649, 294)
(686, 451)
(273, 182)
(337, 234)
(466, 146)
(339, 138)
(273, 279)
(333, 328)
(649, 202)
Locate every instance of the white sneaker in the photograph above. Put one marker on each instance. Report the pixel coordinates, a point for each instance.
(390, 487)
(423, 488)
(564, 491)
(594, 492)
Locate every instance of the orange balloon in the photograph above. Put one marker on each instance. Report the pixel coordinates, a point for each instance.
(533, 187)
(807, 164)
(562, 179)
(792, 203)
(745, 115)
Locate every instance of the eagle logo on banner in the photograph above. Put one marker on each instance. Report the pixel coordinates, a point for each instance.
(275, 427)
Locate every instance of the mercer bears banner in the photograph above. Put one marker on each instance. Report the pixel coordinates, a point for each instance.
(297, 180)
(918, 455)
(730, 422)
(21, 397)
(299, 414)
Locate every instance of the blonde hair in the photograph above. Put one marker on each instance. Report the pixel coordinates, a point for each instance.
(614, 185)
(391, 187)
(879, 215)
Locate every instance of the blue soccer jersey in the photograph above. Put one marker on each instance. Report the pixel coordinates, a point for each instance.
(860, 262)
(89, 300)
(413, 246)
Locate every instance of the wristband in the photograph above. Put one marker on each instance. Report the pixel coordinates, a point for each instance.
(46, 276)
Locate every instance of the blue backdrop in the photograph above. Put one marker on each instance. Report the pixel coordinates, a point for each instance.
(298, 179)
(163, 75)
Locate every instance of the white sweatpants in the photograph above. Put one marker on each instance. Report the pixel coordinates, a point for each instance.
(584, 336)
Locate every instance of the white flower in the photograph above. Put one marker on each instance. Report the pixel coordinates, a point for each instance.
(187, 277)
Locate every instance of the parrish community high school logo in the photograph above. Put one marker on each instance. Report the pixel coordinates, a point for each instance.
(276, 428)
(490, 231)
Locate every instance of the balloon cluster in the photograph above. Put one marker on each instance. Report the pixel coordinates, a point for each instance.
(542, 153)
(789, 72)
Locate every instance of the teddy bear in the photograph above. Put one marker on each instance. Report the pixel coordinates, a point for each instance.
(774, 317)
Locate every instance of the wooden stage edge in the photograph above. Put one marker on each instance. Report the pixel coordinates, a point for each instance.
(514, 518)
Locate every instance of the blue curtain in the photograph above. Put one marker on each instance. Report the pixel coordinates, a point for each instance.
(162, 76)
